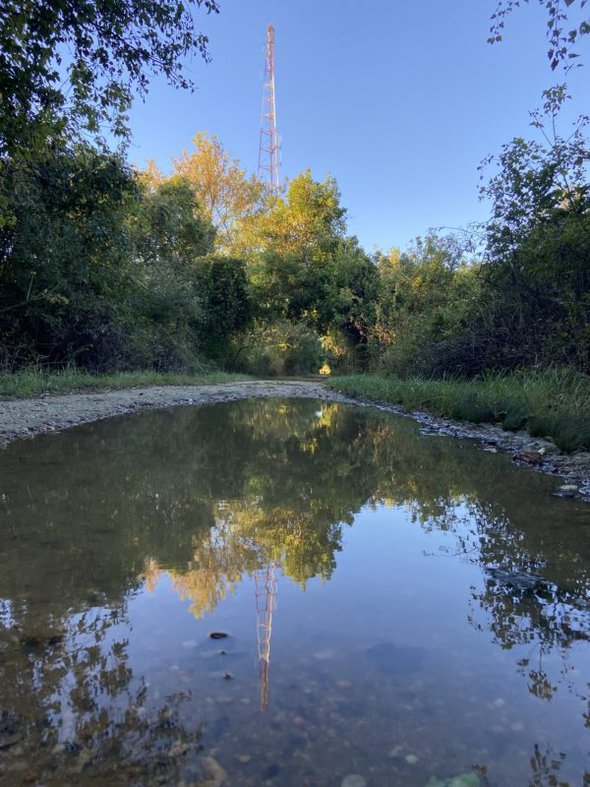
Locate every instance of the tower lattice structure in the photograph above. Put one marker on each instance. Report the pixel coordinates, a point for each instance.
(266, 593)
(268, 150)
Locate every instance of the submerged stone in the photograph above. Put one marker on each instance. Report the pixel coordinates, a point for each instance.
(389, 657)
(463, 780)
(354, 780)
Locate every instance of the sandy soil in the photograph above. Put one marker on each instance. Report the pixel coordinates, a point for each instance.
(21, 418)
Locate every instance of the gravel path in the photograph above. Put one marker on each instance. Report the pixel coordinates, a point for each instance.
(49, 413)
(21, 418)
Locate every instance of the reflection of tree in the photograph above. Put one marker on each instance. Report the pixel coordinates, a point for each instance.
(70, 701)
(545, 768)
(214, 493)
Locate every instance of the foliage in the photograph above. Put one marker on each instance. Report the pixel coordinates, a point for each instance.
(65, 268)
(167, 228)
(72, 66)
(566, 24)
(535, 177)
(226, 195)
(304, 267)
(537, 276)
(222, 287)
(425, 297)
(554, 403)
(308, 222)
(101, 271)
(280, 348)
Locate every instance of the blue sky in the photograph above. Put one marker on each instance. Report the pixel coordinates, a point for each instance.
(399, 101)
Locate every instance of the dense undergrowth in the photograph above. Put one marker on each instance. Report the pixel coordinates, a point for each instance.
(552, 403)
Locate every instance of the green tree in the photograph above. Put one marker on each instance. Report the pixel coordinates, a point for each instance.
(65, 256)
(536, 177)
(537, 305)
(222, 287)
(168, 228)
(304, 267)
(425, 298)
(74, 66)
(308, 222)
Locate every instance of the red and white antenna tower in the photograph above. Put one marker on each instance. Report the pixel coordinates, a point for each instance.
(268, 150)
(266, 598)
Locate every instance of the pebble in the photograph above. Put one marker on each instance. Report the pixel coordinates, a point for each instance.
(324, 655)
(465, 780)
(530, 457)
(396, 752)
(214, 770)
(567, 495)
(411, 759)
(354, 780)
(244, 758)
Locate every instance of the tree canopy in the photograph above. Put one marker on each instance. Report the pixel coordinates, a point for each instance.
(75, 65)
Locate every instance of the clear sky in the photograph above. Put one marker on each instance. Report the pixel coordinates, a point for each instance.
(399, 101)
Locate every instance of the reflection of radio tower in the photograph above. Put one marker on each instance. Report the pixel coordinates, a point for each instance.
(268, 151)
(266, 590)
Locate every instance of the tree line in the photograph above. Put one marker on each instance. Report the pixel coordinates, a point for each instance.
(106, 267)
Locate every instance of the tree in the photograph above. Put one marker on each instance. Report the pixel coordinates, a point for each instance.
(65, 255)
(536, 177)
(167, 227)
(224, 192)
(307, 222)
(292, 247)
(75, 65)
(221, 284)
(565, 26)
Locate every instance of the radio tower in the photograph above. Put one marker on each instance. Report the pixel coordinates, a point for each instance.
(268, 150)
(266, 591)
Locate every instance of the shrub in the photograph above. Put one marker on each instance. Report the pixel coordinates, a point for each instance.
(281, 348)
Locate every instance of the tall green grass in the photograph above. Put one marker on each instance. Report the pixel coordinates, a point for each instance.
(33, 381)
(553, 403)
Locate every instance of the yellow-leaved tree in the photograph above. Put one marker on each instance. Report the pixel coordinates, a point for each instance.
(225, 193)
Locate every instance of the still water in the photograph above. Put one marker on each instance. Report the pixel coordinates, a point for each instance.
(401, 609)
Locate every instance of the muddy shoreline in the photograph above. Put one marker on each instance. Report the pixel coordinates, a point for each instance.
(22, 418)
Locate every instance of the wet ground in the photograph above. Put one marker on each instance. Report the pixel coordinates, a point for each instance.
(400, 608)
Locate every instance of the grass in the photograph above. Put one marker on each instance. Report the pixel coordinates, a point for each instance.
(33, 381)
(553, 403)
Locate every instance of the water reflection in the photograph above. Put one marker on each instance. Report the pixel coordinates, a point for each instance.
(110, 534)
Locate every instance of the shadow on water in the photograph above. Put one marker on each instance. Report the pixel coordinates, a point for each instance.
(123, 544)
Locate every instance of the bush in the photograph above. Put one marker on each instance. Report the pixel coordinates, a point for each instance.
(281, 348)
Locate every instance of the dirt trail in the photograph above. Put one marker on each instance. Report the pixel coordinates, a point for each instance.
(48, 413)
(21, 418)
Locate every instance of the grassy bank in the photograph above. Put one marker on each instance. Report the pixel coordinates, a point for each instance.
(32, 382)
(553, 404)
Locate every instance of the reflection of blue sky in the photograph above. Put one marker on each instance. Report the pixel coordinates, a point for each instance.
(395, 582)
